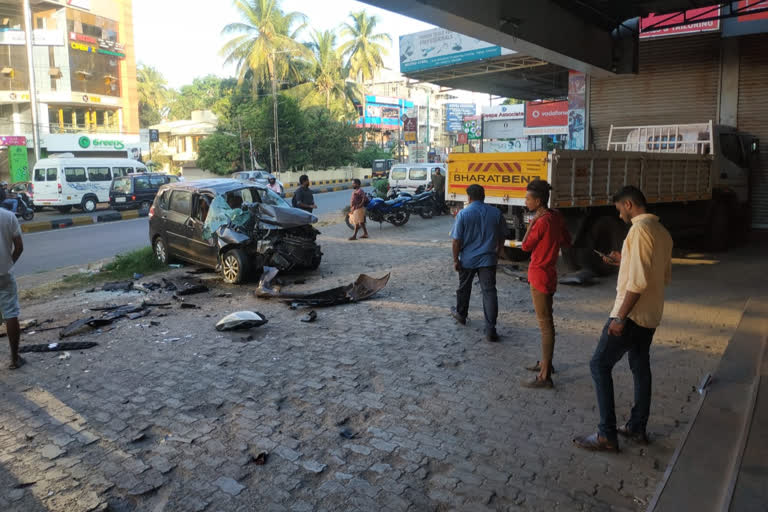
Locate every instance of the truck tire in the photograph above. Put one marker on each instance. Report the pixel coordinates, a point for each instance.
(719, 228)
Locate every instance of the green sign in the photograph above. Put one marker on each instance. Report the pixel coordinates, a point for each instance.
(18, 163)
(114, 54)
(85, 142)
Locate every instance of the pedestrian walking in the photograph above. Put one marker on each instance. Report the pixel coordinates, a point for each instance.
(478, 237)
(303, 197)
(645, 266)
(545, 236)
(357, 209)
(11, 247)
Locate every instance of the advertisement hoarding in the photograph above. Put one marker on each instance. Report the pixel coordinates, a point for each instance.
(503, 121)
(439, 47)
(577, 102)
(67, 142)
(13, 140)
(553, 113)
(455, 114)
(752, 19)
(658, 22)
(472, 126)
(418, 153)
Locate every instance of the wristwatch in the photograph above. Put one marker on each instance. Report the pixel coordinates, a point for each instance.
(619, 320)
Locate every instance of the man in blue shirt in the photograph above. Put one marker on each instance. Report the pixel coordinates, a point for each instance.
(478, 237)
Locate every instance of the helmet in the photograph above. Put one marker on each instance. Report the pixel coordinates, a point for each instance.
(271, 178)
(3, 183)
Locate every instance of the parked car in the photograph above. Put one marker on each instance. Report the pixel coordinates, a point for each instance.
(65, 181)
(137, 190)
(261, 177)
(409, 177)
(232, 226)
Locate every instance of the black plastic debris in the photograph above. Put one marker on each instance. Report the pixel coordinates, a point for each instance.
(55, 347)
(260, 459)
(140, 314)
(188, 305)
(309, 317)
(192, 289)
(77, 327)
(241, 320)
(169, 285)
(363, 288)
(347, 433)
(118, 286)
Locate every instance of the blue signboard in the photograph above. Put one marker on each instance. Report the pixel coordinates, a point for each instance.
(438, 47)
(455, 113)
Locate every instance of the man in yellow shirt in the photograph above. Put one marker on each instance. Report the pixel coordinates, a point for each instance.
(645, 265)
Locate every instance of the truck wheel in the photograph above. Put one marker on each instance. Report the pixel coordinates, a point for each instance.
(719, 228)
(607, 234)
(234, 266)
(89, 204)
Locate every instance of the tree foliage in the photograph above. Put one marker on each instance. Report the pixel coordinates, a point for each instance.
(153, 95)
(219, 153)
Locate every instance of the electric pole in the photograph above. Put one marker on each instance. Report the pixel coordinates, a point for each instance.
(276, 170)
(32, 85)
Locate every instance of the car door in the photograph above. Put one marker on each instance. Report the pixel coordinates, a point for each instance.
(177, 223)
(204, 251)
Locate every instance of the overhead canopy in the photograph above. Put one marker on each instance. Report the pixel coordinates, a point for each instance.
(594, 36)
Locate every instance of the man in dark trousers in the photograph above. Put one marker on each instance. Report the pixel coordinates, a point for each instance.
(645, 268)
(438, 186)
(303, 197)
(478, 237)
(545, 236)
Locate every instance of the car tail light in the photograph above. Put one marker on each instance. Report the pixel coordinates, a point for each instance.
(59, 188)
(133, 198)
(151, 211)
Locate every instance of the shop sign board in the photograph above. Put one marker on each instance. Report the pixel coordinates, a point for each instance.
(418, 153)
(13, 140)
(473, 127)
(76, 142)
(18, 163)
(660, 23)
(40, 37)
(438, 47)
(553, 113)
(752, 19)
(455, 113)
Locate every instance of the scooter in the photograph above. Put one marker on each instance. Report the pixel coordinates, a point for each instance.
(24, 207)
(421, 203)
(378, 210)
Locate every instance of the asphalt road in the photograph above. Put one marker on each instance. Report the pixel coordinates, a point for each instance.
(49, 250)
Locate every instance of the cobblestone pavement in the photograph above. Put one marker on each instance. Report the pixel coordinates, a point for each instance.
(435, 415)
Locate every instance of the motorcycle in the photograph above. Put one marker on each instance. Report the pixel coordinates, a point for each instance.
(24, 206)
(393, 211)
(423, 203)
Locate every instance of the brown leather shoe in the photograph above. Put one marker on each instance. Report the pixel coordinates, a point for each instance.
(596, 443)
(538, 383)
(637, 437)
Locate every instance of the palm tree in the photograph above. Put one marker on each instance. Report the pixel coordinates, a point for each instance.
(364, 50)
(265, 41)
(153, 94)
(327, 84)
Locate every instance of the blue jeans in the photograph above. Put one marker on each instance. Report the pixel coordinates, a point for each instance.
(610, 349)
(11, 204)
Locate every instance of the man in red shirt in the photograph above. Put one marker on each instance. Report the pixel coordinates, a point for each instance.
(546, 234)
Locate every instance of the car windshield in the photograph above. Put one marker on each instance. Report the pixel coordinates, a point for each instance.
(273, 199)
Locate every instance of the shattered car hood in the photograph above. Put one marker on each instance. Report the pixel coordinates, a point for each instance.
(258, 215)
(271, 217)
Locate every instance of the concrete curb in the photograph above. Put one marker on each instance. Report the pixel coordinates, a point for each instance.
(36, 227)
(324, 182)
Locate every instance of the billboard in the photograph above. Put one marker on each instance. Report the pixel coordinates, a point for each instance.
(658, 22)
(473, 127)
(752, 19)
(553, 113)
(455, 114)
(503, 121)
(439, 47)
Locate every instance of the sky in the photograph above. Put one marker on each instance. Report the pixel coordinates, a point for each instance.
(181, 38)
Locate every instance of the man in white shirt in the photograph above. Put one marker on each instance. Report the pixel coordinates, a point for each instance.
(11, 247)
(274, 186)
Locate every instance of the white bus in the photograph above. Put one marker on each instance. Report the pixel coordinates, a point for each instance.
(63, 181)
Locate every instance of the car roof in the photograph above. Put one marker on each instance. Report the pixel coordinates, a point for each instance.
(215, 186)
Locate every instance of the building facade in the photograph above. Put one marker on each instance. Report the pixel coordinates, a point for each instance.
(85, 78)
(179, 141)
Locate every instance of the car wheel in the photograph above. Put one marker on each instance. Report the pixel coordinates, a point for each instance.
(161, 250)
(234, 266)
(89, 204)
(64, 209)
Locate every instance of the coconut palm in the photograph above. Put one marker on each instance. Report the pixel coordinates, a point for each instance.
(153, 94)
(327, 83)
(364, 50)
(265, 42)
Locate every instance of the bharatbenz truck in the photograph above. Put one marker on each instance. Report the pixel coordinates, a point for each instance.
(695, 177)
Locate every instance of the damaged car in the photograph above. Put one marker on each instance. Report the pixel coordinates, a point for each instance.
(234, 227)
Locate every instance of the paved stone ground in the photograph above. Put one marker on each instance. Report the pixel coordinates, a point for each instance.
(439, 419)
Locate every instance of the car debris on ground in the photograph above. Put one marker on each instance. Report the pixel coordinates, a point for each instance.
(363, 288)
(241, 320)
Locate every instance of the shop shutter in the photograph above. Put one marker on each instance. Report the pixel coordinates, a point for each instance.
(677, 84)
(753, 116)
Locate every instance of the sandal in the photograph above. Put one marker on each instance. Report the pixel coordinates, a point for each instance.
(20, 361)
(537, 367)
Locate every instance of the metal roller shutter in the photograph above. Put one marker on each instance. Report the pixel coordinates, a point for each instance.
(753, 116)
(677, 83)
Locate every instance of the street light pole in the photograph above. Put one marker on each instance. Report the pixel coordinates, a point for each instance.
(274, 118)
(32, 85)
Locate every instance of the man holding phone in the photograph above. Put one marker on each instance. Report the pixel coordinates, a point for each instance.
(645, 265)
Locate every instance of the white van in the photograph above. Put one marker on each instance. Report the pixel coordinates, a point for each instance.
(408, 177)
(65, 181)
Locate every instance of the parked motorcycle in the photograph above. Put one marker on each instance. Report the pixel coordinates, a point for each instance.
(393, 211)
(421, 203)
(24, 206)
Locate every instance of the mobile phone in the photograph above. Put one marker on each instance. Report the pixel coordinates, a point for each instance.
(603, 255)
